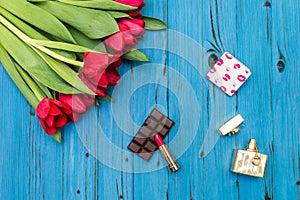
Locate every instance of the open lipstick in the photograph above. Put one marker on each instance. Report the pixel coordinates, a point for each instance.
(172, 164)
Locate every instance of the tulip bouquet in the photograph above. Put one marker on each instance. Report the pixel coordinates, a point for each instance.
(64, 54)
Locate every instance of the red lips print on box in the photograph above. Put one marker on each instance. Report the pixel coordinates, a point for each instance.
(228, 74)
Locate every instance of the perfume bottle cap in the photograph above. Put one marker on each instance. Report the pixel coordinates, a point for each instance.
(232, 126)
(252, 146)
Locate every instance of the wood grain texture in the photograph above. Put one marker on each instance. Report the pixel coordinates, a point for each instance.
(262, 34)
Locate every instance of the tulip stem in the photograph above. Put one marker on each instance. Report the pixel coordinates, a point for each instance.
(31, 43)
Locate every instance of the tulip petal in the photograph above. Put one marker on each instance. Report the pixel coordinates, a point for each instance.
(115, 42)
(66, 99)
(43, 124)
(50, 130)
(100, 92)
(114, 58)
(74, 117)
(74, 102)
(116, 63)
(54, 110)
(129, 39)
(140, 22)
(113, 76)
(43, 108)
(87, 81)
(135, 25)
(103, 81)
(47, 129)
(60, 121)
(91, 86)
(123, 27)
(88, 99)
(95, 63)
(49, 120)
(78, 104)
(135, 3)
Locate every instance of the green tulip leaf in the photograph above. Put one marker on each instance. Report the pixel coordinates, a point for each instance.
(83, 40)
(154, 24)
(65, 72)
(67, 54)
(38, 18)
(31, 62)
(95, 24)
(31, 83)
(34, 1)
(45, 90)
(57, 136)
(99, 4)
(117, 15)
(10, 68)
(32, 33)
(136, 55)
(107, 98)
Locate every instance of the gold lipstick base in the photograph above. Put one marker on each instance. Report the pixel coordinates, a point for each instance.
(172, 164)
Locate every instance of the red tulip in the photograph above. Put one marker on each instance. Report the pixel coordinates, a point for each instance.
(136, 26)
(78, 103)
(52, 114)
(98, 76)
(95, 63)
(124, 40)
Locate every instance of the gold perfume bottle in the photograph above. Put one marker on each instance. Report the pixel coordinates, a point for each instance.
(249, 162)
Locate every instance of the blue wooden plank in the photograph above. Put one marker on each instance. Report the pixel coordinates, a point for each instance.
(285, 98)
(220, 30)
(257, 112)
(15, 134)
(147, 185)
(186, 183)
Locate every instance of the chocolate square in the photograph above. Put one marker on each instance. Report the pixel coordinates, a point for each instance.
(151, 123)
(156, 114)
(140, 140)
(146, 131)
(145, 154)
(150, 146)
(143, 143)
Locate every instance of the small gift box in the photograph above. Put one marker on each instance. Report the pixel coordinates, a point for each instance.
(229, 74)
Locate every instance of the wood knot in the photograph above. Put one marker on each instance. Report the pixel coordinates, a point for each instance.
(281, 61)
(280, 66)
(267, 197)
(212, 60)
(202, 154)
(267, 4)
(32, 112)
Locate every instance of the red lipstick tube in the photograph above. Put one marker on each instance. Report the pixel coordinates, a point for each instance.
(172, 164)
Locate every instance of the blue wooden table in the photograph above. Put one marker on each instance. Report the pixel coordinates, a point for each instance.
(262, 34)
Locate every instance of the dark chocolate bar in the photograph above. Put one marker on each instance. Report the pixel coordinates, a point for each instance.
(143, 143)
